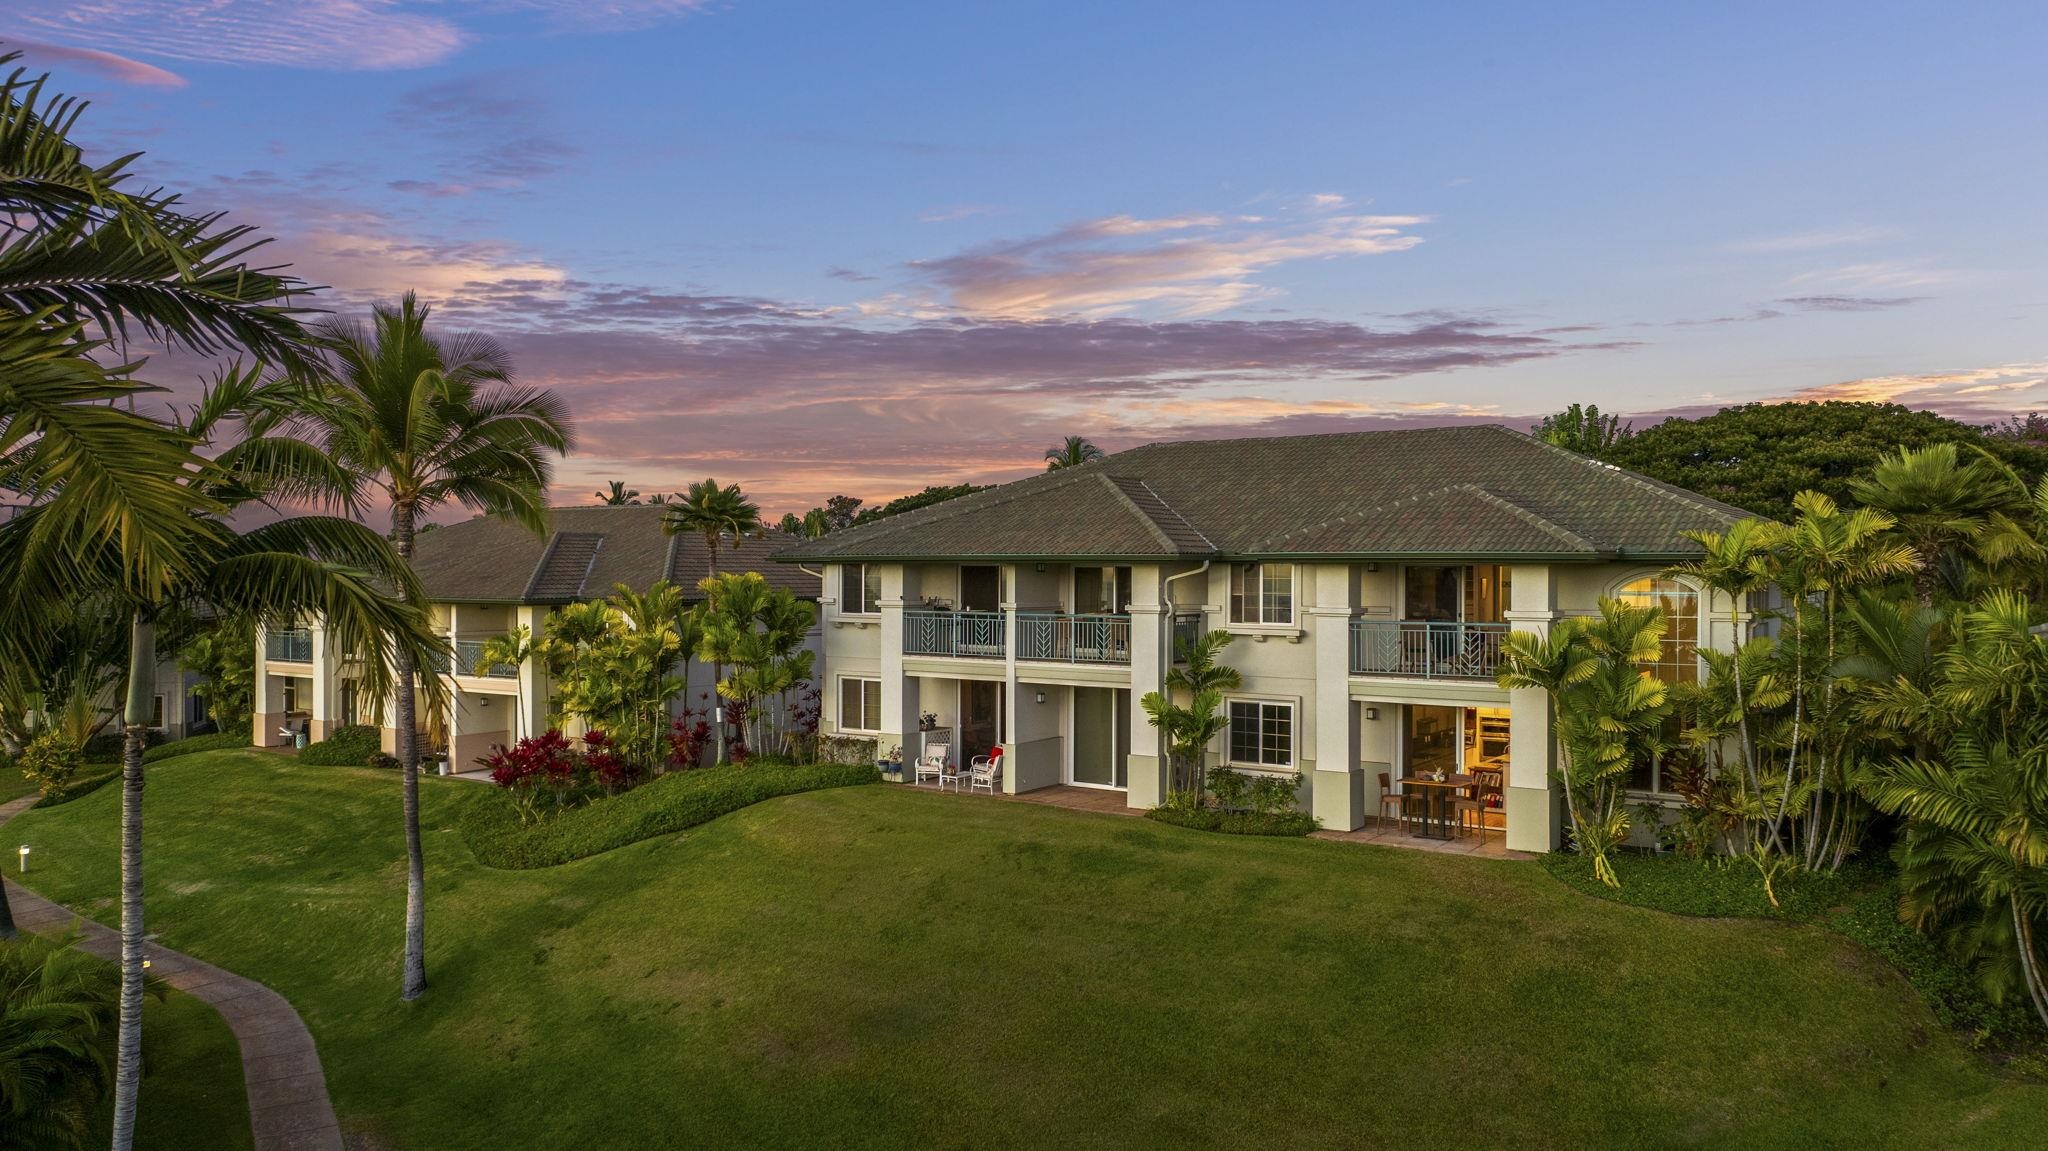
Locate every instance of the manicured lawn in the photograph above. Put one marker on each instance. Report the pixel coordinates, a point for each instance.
(874, 967)
(193, 1096)
(13, 784)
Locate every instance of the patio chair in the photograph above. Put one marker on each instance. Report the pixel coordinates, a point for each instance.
(932, 764)
(1391, 798)
(1478, 800)
(986, 772)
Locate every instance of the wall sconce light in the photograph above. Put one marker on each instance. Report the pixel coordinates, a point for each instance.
(1372, 713)
(1372, 566)
(1039, 567)
(1041, 697)
(483, 701)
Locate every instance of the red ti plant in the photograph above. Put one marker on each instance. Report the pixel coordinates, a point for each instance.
(538, 765)
(610, 769)
(689, 737)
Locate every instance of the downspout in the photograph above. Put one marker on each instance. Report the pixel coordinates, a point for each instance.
(1166, 595)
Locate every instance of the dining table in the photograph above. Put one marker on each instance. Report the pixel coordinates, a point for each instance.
(1440, 792)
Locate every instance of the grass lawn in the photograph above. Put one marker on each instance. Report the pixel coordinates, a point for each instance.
(13, 784)
(193, 1098)
(876, 967)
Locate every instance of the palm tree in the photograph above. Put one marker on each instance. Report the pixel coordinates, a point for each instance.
(120, 505)
(712, 512)
(1974, 856)
(1941, 502)
(1736, 564)
(619, 495)
(56, 1004)
(1188, 728)
(1071, 453)
(432, 420)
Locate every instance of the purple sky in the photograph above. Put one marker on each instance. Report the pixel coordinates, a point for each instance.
(834, 247)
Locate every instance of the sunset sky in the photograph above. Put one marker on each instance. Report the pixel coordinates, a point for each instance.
(832, 247)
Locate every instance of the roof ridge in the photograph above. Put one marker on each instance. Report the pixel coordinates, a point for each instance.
(589, 565)
(1165, 536)
(993, 496)
(541, 565)
(1495, 498)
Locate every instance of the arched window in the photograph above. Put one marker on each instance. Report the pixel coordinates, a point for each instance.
(1679, 662)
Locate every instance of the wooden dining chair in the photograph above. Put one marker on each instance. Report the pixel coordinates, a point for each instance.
(1474, 801)
(1391, 798)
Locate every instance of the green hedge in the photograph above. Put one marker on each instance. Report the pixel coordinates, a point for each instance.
(79, 786)
(667, 804)
(192, 745)
(1731, 887)
(1294, 823)
(346, 747)
(1861, 901)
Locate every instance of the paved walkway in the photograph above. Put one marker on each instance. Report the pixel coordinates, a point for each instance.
(288, 1105)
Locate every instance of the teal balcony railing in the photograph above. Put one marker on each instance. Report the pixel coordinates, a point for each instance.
(973, 634)
(288, 645)
(469, 660)
(1055, 637)
(1420, 649)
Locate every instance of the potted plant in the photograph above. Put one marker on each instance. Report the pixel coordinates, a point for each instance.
(891, 765)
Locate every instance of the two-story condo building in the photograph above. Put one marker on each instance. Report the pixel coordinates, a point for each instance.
(1369, 579)
(484, 577)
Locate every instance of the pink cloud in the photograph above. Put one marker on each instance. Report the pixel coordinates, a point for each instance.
(106, 64)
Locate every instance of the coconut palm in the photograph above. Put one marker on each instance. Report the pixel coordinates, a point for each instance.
(1942, 502)
(713, 512)
(617, 494)
(1071, 453)
(430, 420)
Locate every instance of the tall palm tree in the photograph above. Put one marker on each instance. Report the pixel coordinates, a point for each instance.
(430, 420)
(1735, 563)
(1941, 501)
(1071, 453)
(617, 494)
(120, 505)
(713, 512)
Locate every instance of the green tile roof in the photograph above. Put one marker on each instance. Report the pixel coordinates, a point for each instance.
(585, 551)
(1477, 492)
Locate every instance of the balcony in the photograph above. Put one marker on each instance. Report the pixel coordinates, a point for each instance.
(966, 634)
(469, 655)
(1055, 637)
(1415, 649)
(288, 645)
(1188, 629)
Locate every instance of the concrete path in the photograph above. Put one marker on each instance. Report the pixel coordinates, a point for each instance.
(288, 1105)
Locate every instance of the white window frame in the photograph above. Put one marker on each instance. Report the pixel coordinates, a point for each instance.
(1257, 577)
(1702, 620)
(841, 704)
(1293, 707)
(858, 606)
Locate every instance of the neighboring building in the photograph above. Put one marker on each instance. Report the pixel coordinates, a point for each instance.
(483, 577)
(1369, 577)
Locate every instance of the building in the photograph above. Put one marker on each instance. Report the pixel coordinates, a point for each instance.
(483, 578)
(1369, 578)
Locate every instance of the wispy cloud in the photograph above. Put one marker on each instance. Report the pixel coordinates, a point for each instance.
(1873, 276)
(1986, 392)
(957, 212)
(1189, 265)
(107, 64)
(487, 135)
(339, 35)
(1814, 241)
(1791, 305)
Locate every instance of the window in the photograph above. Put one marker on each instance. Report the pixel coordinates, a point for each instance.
(860, 589)
(156, 713)
(1262, 594)
(1261, 733)
(1677, 662)
(860, 704)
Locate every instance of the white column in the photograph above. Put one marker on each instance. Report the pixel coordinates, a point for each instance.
(899, 691)
(324, 701)
(1007, 578)
(1531, 803)
(533, 678)
(267, 705)
(1145, 768)
(1336, 788)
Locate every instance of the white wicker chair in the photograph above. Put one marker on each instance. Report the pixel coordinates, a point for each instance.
(933, 764)
(986, 772)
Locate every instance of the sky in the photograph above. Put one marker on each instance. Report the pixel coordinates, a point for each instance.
(837, 247)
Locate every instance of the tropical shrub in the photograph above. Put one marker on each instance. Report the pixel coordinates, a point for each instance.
(50, 761)
(1278, 823)
(500, 837)
(57, 1011)
(689, 737)
(614, 661)
(845, 749)
(1188, 728)
(609, 769)
(537, 772)
(350, 746)
(226, 657)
